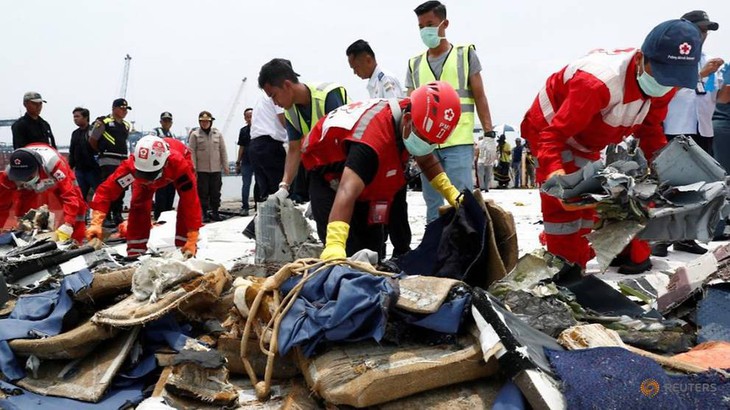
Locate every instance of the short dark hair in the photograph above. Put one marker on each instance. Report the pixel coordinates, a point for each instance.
(84, 112)
(434, 5)
(359, 47)
(247, 110)
(275, 72)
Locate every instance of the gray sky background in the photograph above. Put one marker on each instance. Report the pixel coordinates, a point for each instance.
(190, 56)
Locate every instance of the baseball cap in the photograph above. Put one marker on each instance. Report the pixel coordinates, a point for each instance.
(23, 165)
(700, 18)
(33, 96)
(165, 115)
(205, 115)
(121, 102)
(673, 49)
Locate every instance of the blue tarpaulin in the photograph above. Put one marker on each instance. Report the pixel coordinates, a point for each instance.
(338, 304)
(39, 315)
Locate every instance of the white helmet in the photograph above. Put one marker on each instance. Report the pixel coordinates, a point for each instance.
(150, 155)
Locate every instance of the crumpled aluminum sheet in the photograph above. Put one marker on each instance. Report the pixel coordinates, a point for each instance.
(611, 239)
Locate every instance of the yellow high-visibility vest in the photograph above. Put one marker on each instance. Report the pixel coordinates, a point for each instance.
(319, 95)
(456, 73)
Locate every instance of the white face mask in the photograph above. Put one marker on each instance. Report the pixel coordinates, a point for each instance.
(649, 84)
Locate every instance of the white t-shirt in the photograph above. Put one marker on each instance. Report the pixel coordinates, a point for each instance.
(265, 120)
(691, 113)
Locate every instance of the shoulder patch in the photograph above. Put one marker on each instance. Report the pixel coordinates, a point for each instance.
(59, 175)
(125, 181)
(381, 75)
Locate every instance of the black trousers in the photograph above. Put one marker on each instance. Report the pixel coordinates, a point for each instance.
(209, 190)
(299, 187)
(398, 227)
(362, 235)
(267, 157)
(164, 198)
(115, 209)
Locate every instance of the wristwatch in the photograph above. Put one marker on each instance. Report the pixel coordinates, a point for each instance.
(490, 134)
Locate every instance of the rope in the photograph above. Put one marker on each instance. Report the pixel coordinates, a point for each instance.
(307, 269)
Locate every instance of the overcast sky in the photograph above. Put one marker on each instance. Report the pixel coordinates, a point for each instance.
(189, 56)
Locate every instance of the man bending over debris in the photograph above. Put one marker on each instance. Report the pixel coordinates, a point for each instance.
(37, 168)
(356, 157)
(595, 101)
(156, 162)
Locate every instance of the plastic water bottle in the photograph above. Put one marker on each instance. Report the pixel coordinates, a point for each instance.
(710, 84)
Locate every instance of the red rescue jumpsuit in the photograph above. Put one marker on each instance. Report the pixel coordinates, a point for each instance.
(56, 183)
(592, 102)
(370, 123)
(179, 171)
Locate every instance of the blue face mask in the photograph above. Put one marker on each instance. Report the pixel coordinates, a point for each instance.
(430, 36)
(650, 86)
(417, 146)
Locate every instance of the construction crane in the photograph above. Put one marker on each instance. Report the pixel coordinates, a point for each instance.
(233, 110)
(125, 77)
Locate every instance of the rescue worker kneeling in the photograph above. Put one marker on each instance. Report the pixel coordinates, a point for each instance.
(357, 156)
(155, 163)
(35, 170)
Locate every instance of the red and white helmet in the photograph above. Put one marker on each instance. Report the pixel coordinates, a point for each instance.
(150, 155)
(435, 109)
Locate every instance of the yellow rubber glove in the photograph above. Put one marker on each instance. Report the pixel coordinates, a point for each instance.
(64, 232)
(337, 232)
(190, 248)
(95, 230)
(443, 185)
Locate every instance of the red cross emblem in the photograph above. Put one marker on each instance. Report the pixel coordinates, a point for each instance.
(158, 147)
(144, 153)
(684, 49)
(17, 161)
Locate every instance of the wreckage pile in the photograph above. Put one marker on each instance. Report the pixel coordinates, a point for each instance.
(459, 322)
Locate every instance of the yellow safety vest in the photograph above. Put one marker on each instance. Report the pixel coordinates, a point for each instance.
(456, 73)
(319, 95)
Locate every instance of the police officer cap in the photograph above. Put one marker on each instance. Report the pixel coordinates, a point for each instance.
(205, 116)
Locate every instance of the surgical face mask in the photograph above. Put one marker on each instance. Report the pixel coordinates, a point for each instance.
(650, 86)
(417, 146)
(430, 36)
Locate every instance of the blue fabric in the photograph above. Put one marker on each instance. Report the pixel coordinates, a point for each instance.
(35, 307)
(338, 304)
(509, 398)
(458, 163)
(116, 398)
(6, 238)
(453, 246)
(447, 319)
(712, 315)
(39, 315)
(614, 378)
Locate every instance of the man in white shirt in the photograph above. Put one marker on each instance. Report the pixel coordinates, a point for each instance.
(690, 111)
(690, 114)
(266, 150)
(381, 84)
(487, 154)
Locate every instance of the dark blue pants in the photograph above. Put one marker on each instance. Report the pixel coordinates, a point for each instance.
(246, 176)
(87, 180)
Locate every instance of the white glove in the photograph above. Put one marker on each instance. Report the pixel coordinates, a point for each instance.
(282, 194)
(64, 232)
